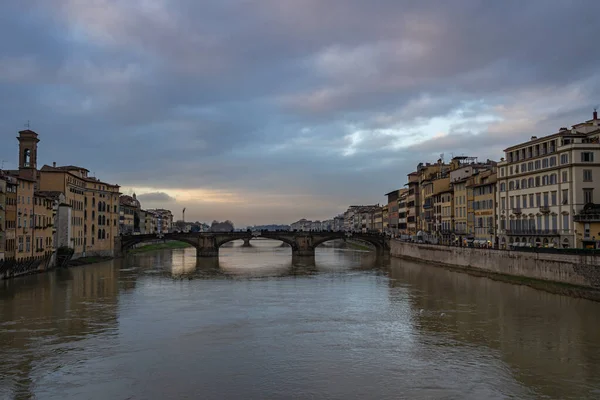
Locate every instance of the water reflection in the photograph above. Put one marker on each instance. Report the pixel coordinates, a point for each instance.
(258, 323)
(541, 337)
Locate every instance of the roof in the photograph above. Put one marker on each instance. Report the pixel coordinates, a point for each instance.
(51, 194)
(126, 200)
(69, 168)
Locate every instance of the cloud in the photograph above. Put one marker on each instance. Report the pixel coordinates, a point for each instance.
(156, 197)
(271, 111)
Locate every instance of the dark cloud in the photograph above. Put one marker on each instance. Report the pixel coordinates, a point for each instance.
(156, 197)
(253, 105)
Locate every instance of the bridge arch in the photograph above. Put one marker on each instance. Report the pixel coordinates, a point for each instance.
(283, 239)
(377, 241)
(127, 242)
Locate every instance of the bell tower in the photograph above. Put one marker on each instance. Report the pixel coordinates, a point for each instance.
(28, 141)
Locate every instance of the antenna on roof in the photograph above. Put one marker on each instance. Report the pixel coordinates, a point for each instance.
(27, 125)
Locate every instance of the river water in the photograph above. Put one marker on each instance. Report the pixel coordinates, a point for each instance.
(257, 324)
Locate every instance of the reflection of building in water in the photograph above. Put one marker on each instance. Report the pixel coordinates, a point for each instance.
(64, 306)
(536, 333)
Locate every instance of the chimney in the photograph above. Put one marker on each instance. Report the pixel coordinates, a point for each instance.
(54, 164)
(595, 114)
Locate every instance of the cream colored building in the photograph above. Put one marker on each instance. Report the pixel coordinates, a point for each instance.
(545, 182)
(483, 188)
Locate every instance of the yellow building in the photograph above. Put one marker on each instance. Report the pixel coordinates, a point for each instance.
(10, 215)
(25, 219)
(482, 186)
(93, 203)
(43, 223)
(94, 206)
(447, 215)
(587, 227)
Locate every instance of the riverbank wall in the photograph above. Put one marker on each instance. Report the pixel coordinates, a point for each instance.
(12, 268)
(572, 274)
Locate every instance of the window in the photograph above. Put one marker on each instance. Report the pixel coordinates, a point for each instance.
(587, 156)
(564, 158)
(538, 164)
(546, 198)
(565, 176)
(20, 243)
(554, 221)
(565, 224)
(539, 222)
(501, 171)
(587, 175)
(553, 196)
(523, 183)
(531, 200)
(565, 196)
(538, 199)
(503, 203)
(588, 196)
(544, 180)
(512, 202)
(503, 187)
(524, 201)
(516, 169)
(552, 161)
(523, 167)
(28, 244)
(537, 181)
(553, 179)
(511, 185)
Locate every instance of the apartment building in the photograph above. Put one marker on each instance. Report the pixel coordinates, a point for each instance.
(25, 218)
(2, 216)
(446, 203)
(544, 185)
(386, 218)
(482, 186)
(10, 215)
(392, 203)
(413, 208)
(402, 213)
(129, 215)
(378, 220)
(42, 226)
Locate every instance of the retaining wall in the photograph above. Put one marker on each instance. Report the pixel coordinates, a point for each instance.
(571, 269)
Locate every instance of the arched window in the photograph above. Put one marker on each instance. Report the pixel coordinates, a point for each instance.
(85, 201)
(530, 182)
(99, 233)
(93, 214)
(537, 181)
(523, 183)
(544, 180)
(94, 202)
(511, 185)
(503, 187)
(103, 234)
(99, 206)
(99, 220)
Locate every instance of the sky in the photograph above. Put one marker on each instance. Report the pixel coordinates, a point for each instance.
(269, 111)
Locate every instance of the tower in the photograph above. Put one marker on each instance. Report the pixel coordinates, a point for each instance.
(28, 141)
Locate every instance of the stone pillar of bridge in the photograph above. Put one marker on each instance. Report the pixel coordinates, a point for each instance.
(246, 242)
(117, 249)
(304, 246)
(207, 246)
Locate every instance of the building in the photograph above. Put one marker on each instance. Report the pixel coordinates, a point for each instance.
(338, 223)
(413, 208)
(392, 203)
(544, 183)
(43, 225)
(2, 216)
(386, 218)
(446, 203)
(483, 188)
(378, 220)
(587, 227)
(402, 213)
(10, 216)
(302, 225)
(129, 215)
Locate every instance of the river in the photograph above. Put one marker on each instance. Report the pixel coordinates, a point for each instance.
(256, 324)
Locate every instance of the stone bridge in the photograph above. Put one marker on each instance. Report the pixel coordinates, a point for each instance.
(208, 244)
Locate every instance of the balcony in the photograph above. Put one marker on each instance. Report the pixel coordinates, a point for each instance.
(538, 232)
(427, 204)
(517, 210)
(586, 217)
(544, 209)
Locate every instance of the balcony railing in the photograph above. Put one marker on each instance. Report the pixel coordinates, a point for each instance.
(586, 217)
(544, 209)
(527, 231)
(517, 210)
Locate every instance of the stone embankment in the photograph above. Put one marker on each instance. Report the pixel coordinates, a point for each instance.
(571, 274)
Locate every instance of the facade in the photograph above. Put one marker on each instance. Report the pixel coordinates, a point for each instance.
(10, 223)
(402, 213)
(413, 208)
(392, 203)
(587, 227)
(378, 220)
(545, 182)
(43, 225)
(338, 223)
(446, 203)
(2, 217)
(483, 188)
(164, 220)
(386, 218)
(129, 215)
